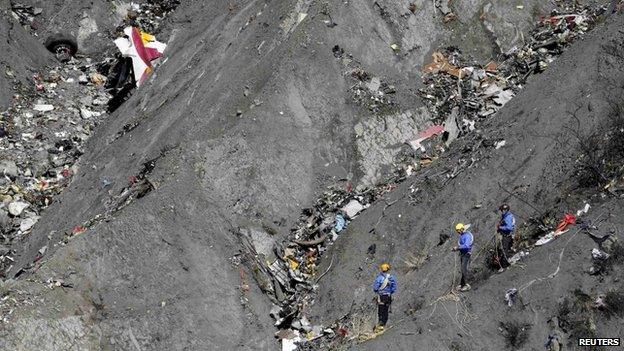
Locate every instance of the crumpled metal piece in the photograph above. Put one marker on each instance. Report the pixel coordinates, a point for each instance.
(599, 255)
(510, 296)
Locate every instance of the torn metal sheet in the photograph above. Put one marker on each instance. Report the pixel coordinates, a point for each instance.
(424, 135)
(353, 208)
(441, 64)
(599, 255)
(451, 130)
(280, 274)
(142, 48)
(504, 97)
(470, 125)
(517, 257)
(510, 296)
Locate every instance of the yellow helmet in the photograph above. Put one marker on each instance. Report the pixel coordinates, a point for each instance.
(460, 226)
(384, 267)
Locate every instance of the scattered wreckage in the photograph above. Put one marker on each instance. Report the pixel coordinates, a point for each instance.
(138, 53)
(62, 45)
(43, 131)
(458, 93)
(288, 272)
(456, 85)
(42, 137)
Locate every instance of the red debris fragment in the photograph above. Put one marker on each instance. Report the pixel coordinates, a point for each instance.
(66, 173)
(433, 130)
(491, 66)
(567, 219)
(78, 229)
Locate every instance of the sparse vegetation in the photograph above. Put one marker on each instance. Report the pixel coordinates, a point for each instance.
(415, 306)
(414, 260)
(531, 231)
(617, 253)
(456, 346)
(576, 316)
(602, 148)
(492, 260)
(269, 229)
(516, 333)
(614, 301)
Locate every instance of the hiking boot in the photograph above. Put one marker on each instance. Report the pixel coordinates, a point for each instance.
(465, 287)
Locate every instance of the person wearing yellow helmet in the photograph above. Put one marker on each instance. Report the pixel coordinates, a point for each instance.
(384, 286)
(464, 246)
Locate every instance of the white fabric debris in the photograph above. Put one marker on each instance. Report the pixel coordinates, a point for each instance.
(545, 239)
(583, 210)
(43, 107)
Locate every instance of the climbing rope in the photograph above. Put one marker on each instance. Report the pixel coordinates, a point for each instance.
(553, 274)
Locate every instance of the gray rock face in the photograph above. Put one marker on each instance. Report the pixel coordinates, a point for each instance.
(8, 168)
(413, 225)
(22, 53)
(27, 223)
(17, 207)
(251, 115)
(4, 219)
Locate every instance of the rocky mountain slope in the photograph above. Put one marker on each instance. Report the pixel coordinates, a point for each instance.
(257, 108)
(547, 130)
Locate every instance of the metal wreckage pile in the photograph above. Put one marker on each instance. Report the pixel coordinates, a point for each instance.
(287, 272)
(454, 82)
(457, 92)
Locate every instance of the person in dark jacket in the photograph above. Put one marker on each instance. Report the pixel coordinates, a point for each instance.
(506, 228)
(384, 286)
(555, 339)
(464, 246)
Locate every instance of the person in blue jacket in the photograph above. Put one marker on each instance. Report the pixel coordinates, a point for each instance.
(464, 246)
(384, 286)
(506, 227)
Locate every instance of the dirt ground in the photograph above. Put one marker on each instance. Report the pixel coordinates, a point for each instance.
(533, 172)
(247, 120)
